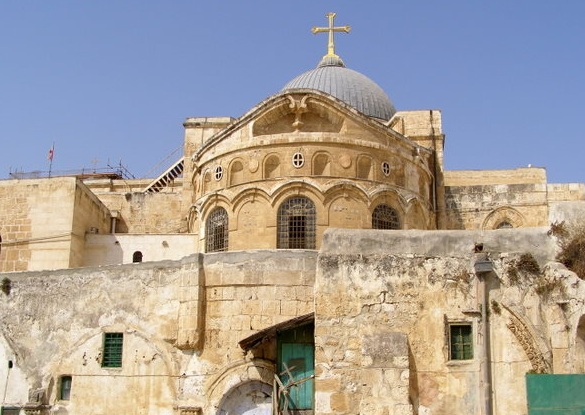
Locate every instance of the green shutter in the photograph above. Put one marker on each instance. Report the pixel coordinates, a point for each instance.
(112, 354)
(461, 342)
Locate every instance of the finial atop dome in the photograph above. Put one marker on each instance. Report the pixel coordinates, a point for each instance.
(331, 59)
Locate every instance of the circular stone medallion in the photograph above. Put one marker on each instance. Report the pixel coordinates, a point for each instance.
(345, 161)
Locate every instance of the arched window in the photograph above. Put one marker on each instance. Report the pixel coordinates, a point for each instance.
(296, 224)
(137, 256)
(384, 217)
(216, 231)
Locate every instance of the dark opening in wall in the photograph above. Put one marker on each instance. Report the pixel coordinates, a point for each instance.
(137, 256)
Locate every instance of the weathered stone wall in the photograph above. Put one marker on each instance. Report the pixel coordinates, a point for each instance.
(569, 212)
(487, 206)
(484, 199)
(181, 320)
(383, 313)
(53, 323)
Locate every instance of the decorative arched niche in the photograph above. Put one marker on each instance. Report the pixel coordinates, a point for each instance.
(251, 397)
(501, 218)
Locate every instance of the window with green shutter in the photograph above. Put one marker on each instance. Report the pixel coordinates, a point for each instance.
(112, 354)
(460, 342)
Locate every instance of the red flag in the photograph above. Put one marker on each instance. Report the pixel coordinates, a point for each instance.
(51, 153)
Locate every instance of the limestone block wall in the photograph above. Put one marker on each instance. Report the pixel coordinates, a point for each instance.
(487, 206)
(566, 192)
(246, 292)
(383, 313)
(420, 123)
(147, 213)
(43, 222)
(89, 214)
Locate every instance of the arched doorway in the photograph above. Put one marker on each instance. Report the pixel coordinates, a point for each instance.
(252, 397)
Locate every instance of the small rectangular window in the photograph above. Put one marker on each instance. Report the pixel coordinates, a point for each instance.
(460, 342)
(65, 389)
(112, 354)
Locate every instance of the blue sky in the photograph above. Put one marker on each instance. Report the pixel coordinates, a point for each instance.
(112, 81)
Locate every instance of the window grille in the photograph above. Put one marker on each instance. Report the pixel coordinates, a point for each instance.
(461, 342)
(298, 160)
(112, 354)
(296, 224)
(384, 217)
(386, 168)
(218, 173)
(216, 233)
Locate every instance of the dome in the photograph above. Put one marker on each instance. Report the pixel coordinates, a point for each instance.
(353, 88)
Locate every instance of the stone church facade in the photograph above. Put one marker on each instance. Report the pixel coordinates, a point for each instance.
(311, 257)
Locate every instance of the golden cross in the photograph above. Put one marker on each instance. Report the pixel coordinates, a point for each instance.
(331, 29)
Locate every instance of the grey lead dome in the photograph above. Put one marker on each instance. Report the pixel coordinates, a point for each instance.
(353, 88)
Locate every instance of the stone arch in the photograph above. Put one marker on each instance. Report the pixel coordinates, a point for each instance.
(580, 346)
(297, 187)
(321, 164)
(343, 189)
(390, 198)
(252, 211)
(346, 206)
(271, 167)
(535, 348)
(236, 173)
(416, 216)
(503, 215)
(248, 398)
(213, 201)
(254, 373)
(250, 195)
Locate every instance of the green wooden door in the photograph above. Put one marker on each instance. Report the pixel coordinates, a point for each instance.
(296, 363)
(555, 394)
